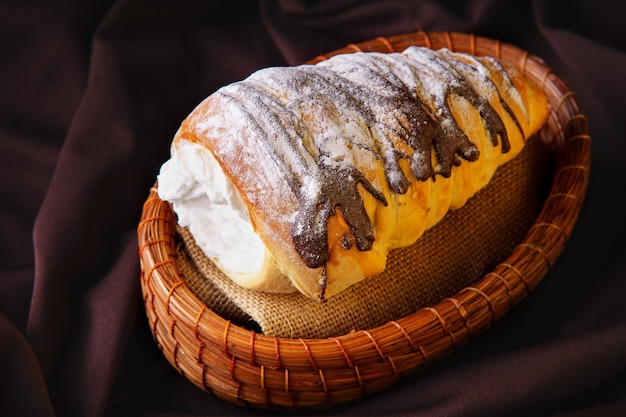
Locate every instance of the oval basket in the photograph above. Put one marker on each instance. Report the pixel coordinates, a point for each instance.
(248, 368)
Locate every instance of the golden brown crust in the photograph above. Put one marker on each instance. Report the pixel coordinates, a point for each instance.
(272, 199)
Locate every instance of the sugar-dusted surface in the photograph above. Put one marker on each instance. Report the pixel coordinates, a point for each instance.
(339, 132)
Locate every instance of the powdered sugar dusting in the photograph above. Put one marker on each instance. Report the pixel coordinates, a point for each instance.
(323, 126)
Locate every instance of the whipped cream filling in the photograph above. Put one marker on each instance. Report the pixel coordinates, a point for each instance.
(208, 204)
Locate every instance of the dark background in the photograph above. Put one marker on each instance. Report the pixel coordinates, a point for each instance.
(91, 93)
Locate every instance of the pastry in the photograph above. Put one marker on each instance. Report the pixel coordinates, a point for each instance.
(304, 178)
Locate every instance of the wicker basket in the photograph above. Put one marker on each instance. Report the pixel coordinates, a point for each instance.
(249, 368)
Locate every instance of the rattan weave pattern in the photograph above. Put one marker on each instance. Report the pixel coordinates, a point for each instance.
(248, 368)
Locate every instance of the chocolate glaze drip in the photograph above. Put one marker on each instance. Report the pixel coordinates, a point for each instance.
(337, 188)
(398, 98)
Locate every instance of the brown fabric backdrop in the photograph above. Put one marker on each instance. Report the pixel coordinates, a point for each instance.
(91, 93)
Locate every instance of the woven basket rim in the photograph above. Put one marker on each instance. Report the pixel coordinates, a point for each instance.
(244, 367)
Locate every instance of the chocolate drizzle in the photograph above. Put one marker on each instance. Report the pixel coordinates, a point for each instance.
(337, 188)
(390, 106)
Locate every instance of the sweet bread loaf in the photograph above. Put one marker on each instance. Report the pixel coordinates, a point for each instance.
(304, 178)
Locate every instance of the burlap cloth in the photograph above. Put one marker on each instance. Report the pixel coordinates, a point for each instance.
(455, 253)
